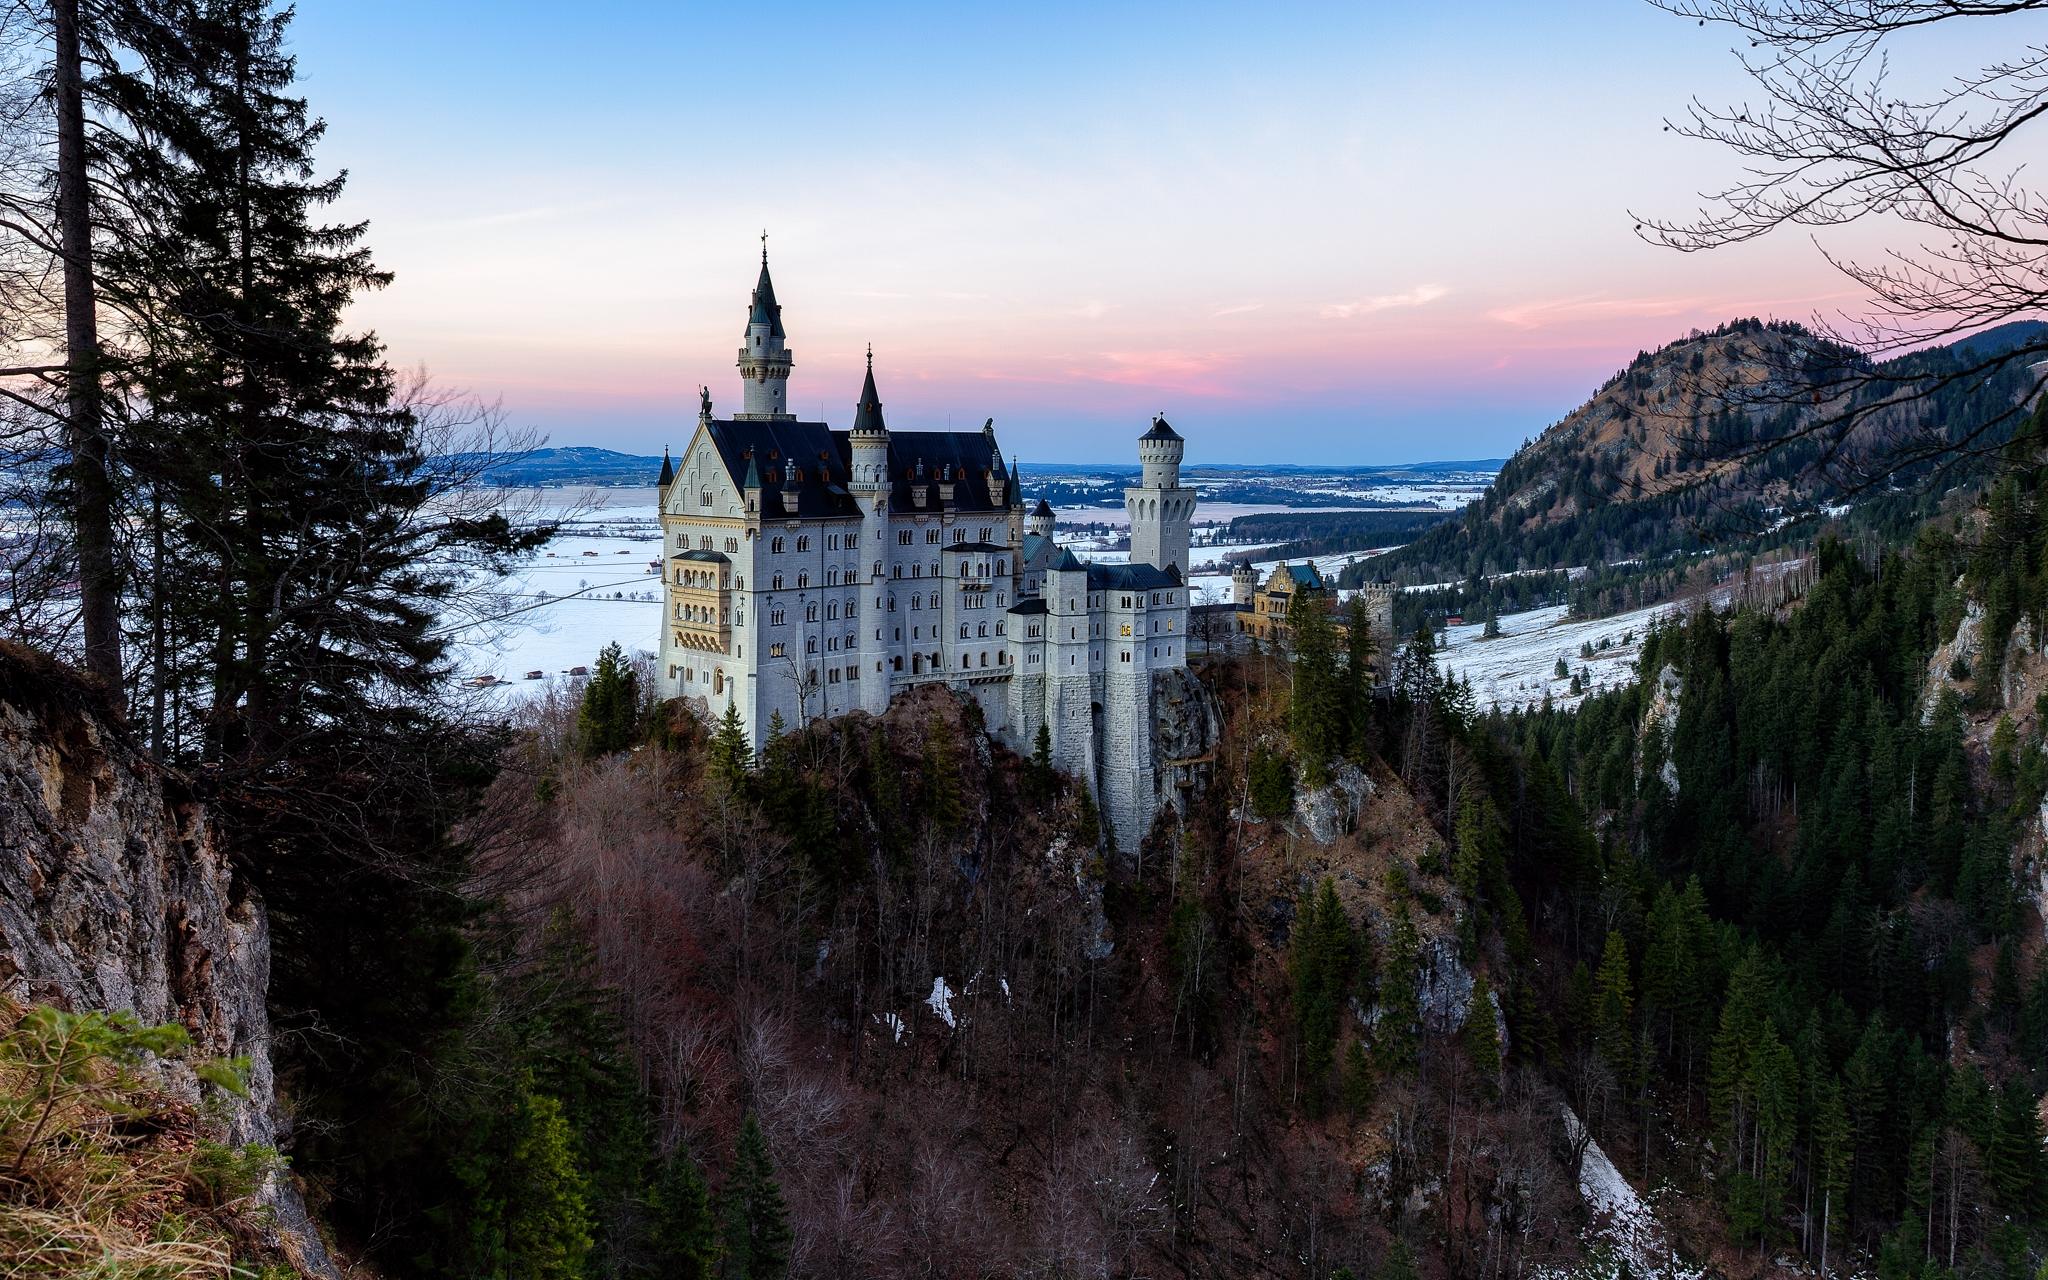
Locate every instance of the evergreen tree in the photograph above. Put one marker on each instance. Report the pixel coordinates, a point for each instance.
(1361, 646)
(547, 1228)
(1321, 966)
(1317, 714)
(1397, 1037)
(731, 755)
(609, 719)
(1271, 783)
(1482, 1036)
(682, 1230)
(755, 1225)
(1614, 1007)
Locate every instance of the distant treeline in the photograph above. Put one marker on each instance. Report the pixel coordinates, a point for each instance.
(1321, 533)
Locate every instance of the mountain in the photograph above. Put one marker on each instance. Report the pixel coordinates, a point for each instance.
(573, 465)
(1703, 443)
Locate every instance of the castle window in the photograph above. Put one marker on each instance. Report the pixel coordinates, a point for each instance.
(803, 579)
(1125, 655)
(832, 542)
(903, 537)
(983, 629)
(959, 536)
(704, 543)
(1002, 567)
(718, 682)
(892, 602)
(811, 645)
(896, 571)
(917, 571)
(984, 657)
(776, 617)
(832, 610)
(803, 543)
(852, 541)
(934, 602)
(935, 568)
(916, 601)
(931, 537)
(878, 568)
(852, 605)
(739, 582)
(732, 544)
(775, 650)
(963, 631)
(775, 584)
(984, 534)
(999, 628)
(810, 613)
(704, 498)
(832, 576)
(775, 545)
(1002, 598)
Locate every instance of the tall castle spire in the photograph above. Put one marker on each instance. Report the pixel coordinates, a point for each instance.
(765, 359)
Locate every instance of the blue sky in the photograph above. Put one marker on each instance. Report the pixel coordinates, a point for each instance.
(1341, 233)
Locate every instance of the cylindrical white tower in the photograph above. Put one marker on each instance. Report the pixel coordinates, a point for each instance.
(1244, 584)
(1162, 511)
(1041, 520)
(765, 359)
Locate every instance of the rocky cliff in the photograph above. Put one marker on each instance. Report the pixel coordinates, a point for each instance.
(114, 894)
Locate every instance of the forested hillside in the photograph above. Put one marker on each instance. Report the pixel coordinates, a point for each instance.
(1714, 441)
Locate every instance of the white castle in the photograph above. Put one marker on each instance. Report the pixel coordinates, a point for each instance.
(815, 572)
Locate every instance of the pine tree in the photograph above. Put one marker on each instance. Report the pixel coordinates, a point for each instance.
(1400, 1024)
(1614, 1007)
(608, 720)
(1271, 783)
(1317, 713)
(756, 1233)
(311, 539)
(1361, 646)
(731, 755)
(1321, 966)
(682, 1230)
(547, 1231)
(1482, 1036)
(1832, 1138)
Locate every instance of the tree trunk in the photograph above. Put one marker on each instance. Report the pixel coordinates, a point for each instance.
(91, 483)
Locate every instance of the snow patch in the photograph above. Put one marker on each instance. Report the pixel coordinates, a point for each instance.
(1620, 1218)
(941, 1001)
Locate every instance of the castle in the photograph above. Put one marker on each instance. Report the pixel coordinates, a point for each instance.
(810, 571)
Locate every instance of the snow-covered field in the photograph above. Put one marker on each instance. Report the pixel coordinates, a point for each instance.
(1518, 668)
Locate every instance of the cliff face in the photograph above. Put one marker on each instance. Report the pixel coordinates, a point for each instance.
(115, 895)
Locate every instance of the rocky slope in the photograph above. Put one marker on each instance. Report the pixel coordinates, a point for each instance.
(114, 895)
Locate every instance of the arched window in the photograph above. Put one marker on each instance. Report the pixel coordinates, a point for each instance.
(718, 682)
(776, 583)
(775, 545)
(832, 611)
(803, 543)
(811, 644)
(810, 613)
(803, 579)
(1002, 568)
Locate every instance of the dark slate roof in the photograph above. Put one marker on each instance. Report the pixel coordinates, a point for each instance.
(969, 453)
(1036, 604)
(668, 469)
(1159, 431)
(867, 416)
(1306, 575)
(1129, 577)
(1043, 508)
(806, 459)
(779, 447)
(1033, 544)
(1067, 559)
(715, 557)
(765, 307)
(976, 546)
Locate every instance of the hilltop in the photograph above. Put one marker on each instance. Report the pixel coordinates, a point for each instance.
(1699, 444)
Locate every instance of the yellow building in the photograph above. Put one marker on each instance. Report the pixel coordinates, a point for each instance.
(1261, 608)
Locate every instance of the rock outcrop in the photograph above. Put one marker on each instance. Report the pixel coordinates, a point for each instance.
(1326, 813)
(114, 894)
(1662, 715)
(1965, 648)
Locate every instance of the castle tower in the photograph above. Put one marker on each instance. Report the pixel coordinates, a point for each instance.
(765, 360)
(869, 485)
(1244, 585)
(1161, 510)
(1041, 519)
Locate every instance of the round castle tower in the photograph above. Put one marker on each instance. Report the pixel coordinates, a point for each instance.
(1162, 512)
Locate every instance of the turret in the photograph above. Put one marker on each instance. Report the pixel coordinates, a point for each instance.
(869, 438)
(1162, 511)
(1041, 519)
(765, 359)
(1244, 584)
(668, 473)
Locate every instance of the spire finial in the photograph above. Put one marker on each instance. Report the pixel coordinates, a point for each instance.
(764, 246)
(871, 357)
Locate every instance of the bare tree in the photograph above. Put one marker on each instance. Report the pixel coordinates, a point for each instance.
(1837, 139)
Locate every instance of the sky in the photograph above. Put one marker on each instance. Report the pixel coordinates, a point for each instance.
(1345, 233)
